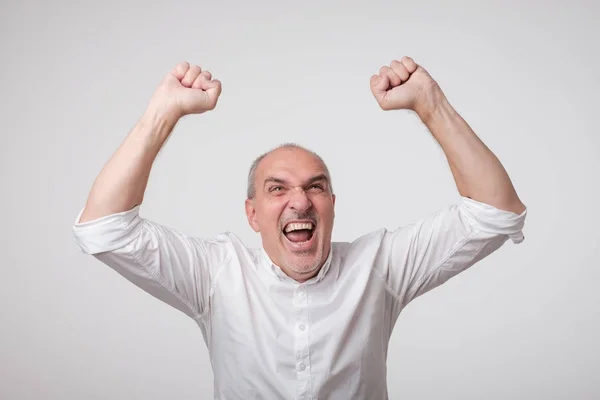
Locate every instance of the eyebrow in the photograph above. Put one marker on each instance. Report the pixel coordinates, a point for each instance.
(316, 178)
(320, 177)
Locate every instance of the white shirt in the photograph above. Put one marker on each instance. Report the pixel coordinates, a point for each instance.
(270, 337)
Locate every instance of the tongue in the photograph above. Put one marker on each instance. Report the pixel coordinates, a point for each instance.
(299, 236)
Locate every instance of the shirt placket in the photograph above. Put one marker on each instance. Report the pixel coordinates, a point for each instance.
(302, 329)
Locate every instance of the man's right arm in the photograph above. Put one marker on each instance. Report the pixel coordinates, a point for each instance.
(122, 182)
(168, 264)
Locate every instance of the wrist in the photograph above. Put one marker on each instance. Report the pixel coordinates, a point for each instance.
(155, 127)
(160, 116)
(432, 105)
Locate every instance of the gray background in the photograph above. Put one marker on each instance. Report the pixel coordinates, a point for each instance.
(75, 77)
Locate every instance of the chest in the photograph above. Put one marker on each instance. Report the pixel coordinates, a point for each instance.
(329, 330)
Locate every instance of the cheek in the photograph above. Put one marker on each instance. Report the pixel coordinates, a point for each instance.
(326, 212)
(269, 216)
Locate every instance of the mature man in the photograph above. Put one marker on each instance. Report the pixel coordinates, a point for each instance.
(302, 317)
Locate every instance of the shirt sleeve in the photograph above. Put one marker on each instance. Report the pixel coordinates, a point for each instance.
(424, 255)
(171, 266)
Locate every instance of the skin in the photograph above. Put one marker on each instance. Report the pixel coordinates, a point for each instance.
(292, 186)
(121, 183)
(403, 85)
(477, 172)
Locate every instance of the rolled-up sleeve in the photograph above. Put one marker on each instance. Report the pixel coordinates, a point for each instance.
(107, 233)
(424, 255)
(164, 262)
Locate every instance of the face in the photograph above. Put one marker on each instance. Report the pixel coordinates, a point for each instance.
(293, 210)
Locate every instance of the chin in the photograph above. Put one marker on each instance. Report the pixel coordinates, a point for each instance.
(305, 269)
(303, 258)
(305, 264)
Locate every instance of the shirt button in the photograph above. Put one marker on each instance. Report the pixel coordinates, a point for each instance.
(301, 367)
(301, 327)
(302, 293)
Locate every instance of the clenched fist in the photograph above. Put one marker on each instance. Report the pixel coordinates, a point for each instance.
(404, 85)
(186, 89)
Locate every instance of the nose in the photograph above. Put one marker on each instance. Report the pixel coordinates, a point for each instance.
(299, 201)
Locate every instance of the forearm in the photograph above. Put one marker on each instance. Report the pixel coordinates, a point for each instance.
(122, 182)
(478, 173)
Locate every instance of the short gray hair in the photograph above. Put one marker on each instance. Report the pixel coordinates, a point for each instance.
(251, 190)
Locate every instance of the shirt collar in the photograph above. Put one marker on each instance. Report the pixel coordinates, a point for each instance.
(275, 270)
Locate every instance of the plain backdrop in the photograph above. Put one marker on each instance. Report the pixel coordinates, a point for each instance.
(76, 76)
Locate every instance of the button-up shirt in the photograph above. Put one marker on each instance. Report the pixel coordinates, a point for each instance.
(271, 337)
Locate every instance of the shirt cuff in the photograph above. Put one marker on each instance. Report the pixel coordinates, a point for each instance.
(106, 233)
(493, 220)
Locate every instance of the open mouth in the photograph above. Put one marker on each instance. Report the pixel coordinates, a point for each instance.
(299, 232)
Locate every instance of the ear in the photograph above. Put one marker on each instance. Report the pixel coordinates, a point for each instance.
(333, 200)
(251, 215)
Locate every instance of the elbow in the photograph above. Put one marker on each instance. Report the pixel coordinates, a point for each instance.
(516, 206)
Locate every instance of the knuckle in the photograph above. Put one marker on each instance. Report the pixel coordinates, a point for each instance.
(182, 67)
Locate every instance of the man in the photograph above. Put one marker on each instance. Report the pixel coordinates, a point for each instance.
(302, 317)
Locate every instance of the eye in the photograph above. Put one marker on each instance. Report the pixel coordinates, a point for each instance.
(276, 189)
(317, 186)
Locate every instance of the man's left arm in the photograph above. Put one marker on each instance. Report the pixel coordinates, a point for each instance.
(478, 173)
(417, 258)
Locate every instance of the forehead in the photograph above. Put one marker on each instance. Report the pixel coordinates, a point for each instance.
(289, 163)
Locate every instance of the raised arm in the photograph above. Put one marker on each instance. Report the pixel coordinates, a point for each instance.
(168, 264)
(122, 182)
(425, 254)
(478, 173)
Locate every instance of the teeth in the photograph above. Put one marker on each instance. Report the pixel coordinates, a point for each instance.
(297, 226)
